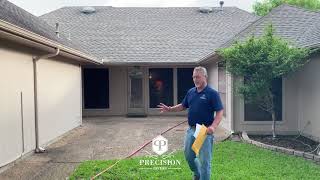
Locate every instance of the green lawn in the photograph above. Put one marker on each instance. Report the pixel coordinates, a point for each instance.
(231, 160)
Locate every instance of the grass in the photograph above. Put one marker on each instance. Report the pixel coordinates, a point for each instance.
(231, 160)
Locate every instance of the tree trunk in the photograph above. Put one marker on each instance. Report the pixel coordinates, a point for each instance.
(273, 113)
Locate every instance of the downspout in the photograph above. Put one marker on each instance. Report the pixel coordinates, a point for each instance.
(35, 83)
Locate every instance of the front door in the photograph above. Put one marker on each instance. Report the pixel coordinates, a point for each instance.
(136, 105)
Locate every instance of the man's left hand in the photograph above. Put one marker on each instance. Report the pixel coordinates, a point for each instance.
(210, 130)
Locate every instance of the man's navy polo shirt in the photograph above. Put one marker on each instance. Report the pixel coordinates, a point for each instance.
(202, 105)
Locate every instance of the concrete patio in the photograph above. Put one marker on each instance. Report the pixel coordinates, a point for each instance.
(98, 138)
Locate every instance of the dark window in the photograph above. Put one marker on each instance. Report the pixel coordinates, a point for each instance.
(96, 88)
(185, 82)
(160, 86)
(254, 113)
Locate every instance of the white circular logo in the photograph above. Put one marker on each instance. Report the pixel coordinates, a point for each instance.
(160, 145)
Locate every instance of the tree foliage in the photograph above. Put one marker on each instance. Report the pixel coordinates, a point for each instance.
(260, 61)
(262, 8)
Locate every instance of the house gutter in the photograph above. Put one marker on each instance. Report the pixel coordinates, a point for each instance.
(115, 63)
(35, 59)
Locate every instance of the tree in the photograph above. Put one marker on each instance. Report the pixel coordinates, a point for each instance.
(262, 8)
(260, 61)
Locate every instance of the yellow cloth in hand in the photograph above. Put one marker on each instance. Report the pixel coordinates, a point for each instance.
(197, 144)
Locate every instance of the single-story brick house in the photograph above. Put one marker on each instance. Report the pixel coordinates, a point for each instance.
(107, 61)
(100, 61)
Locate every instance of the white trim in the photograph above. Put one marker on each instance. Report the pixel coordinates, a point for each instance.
(283, 103)
(146, 90)
(229, 100)
(175, 86)
(81, 94)
(299, 108)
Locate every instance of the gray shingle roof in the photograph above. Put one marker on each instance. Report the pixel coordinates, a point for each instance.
(19, 17)
(299, 26)
(144, 35)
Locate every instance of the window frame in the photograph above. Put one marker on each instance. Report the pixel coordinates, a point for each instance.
(83, 89)
(155, 111)
(148, 85)
(242, 110)
(177, 89)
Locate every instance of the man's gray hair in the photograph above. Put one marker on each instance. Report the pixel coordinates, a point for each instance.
(201, 69)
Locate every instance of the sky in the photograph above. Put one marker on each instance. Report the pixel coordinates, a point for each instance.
(39, 7)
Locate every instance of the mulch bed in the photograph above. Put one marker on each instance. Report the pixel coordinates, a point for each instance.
(299, 143)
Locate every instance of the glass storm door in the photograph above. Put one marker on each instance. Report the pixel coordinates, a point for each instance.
(136, 99)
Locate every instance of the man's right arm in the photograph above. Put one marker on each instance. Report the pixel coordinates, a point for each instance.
(176, 108)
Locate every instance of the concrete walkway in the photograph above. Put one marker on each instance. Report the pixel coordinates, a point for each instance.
(98, 138)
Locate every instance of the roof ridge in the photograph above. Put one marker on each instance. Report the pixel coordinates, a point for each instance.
(49, 12)
(244, 11)
(28, 13)
(193, 7)
(153, 7)
(300, 8)
(260, 20)
(252, 25)
(13, 5)
(308, 31)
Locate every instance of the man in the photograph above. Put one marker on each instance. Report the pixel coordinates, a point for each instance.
(202, 102)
